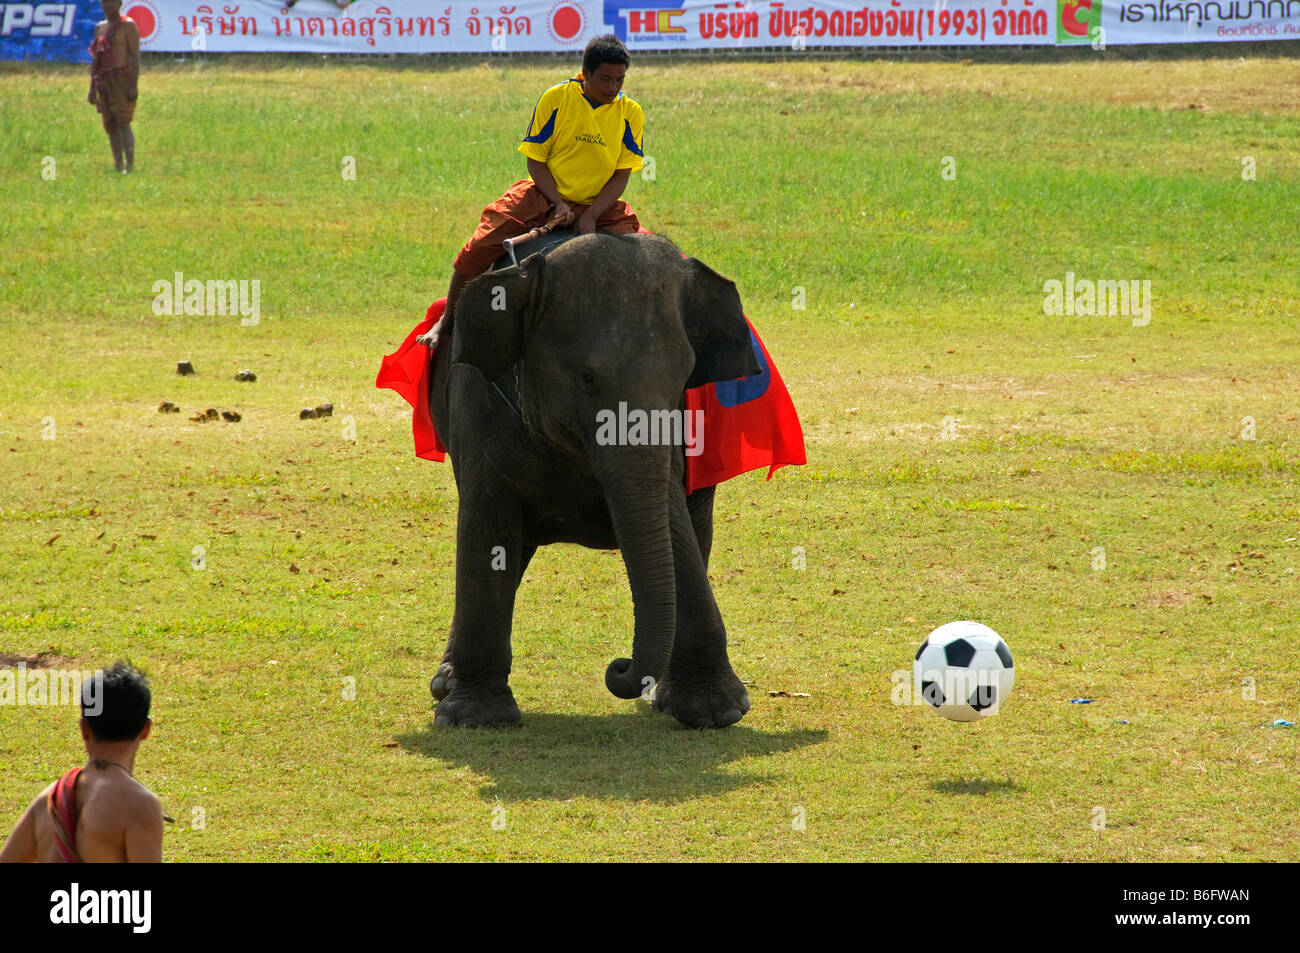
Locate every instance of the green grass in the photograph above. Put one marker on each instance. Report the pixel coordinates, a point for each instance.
(967, 457)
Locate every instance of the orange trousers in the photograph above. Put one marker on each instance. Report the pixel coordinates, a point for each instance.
(520, 210)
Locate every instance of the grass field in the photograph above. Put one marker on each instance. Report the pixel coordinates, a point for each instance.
(969, 457)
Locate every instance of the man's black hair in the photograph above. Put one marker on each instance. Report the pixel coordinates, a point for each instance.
(601, 50)
(123, 703)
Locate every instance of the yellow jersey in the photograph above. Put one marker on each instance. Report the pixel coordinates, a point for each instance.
(583, 145)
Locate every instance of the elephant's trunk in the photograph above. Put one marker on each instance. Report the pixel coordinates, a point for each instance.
(638, 507)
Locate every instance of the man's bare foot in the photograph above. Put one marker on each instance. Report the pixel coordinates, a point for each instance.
(430, 337)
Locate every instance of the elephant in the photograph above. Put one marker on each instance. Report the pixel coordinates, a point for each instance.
(542, 354)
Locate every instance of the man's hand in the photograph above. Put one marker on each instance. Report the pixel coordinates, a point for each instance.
(90, 98)
(603, 202)
(562, 214)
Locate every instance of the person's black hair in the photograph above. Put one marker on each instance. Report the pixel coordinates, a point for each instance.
(123, 703)
(601, 50)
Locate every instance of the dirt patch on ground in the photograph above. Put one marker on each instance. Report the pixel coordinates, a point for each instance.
(39, 660)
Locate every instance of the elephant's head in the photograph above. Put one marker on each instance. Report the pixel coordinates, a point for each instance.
(608, 332)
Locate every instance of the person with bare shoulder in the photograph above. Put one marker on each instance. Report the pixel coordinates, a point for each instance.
(114, 75)
(98, 813)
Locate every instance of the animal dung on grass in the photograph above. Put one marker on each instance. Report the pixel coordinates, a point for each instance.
(167, 407)
(246, 375)
(184, 367)
(320, 410)
(231, 416)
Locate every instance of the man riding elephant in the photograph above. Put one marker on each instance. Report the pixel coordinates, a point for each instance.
(583, 142)
(525, 397)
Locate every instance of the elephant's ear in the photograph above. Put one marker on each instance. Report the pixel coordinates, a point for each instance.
(489, 319)
(716, 327)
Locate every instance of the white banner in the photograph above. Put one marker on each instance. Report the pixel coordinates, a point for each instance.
(427, 26)
(1200, 21)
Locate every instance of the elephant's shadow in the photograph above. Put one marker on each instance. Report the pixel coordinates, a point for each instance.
(636, 756)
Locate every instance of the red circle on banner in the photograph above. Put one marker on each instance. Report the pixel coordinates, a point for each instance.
(146, 20)
(566, 21)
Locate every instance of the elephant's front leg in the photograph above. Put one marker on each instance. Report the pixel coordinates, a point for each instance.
(700, 506)
(489, 565)
(700, 689)
(444, 680)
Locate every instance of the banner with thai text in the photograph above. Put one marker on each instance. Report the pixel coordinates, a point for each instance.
(64, 30)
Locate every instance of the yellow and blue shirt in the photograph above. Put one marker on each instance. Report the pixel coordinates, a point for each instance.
(583, 145)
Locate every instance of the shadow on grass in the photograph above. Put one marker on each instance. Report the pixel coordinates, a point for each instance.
(975, 786)
(637, 756)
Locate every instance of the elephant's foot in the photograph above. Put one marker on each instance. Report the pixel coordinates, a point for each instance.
(443, 682)
(713, 701)
(464, 708)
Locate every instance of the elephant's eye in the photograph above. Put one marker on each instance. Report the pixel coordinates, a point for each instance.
(588, 379)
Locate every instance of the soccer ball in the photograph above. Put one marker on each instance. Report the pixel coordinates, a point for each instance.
(963, 670)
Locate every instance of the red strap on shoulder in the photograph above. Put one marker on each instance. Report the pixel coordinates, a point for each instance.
(62, 805)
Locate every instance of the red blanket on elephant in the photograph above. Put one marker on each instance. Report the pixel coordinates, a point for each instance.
(750, 423)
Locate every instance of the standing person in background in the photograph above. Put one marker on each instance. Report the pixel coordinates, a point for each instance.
(114, 73)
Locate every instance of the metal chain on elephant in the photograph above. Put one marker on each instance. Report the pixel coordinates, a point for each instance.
(508, 404)
(518, 393)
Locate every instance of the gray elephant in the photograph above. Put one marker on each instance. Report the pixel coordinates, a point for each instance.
(544, 356)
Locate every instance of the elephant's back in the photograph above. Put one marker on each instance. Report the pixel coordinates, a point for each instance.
(541, 245)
